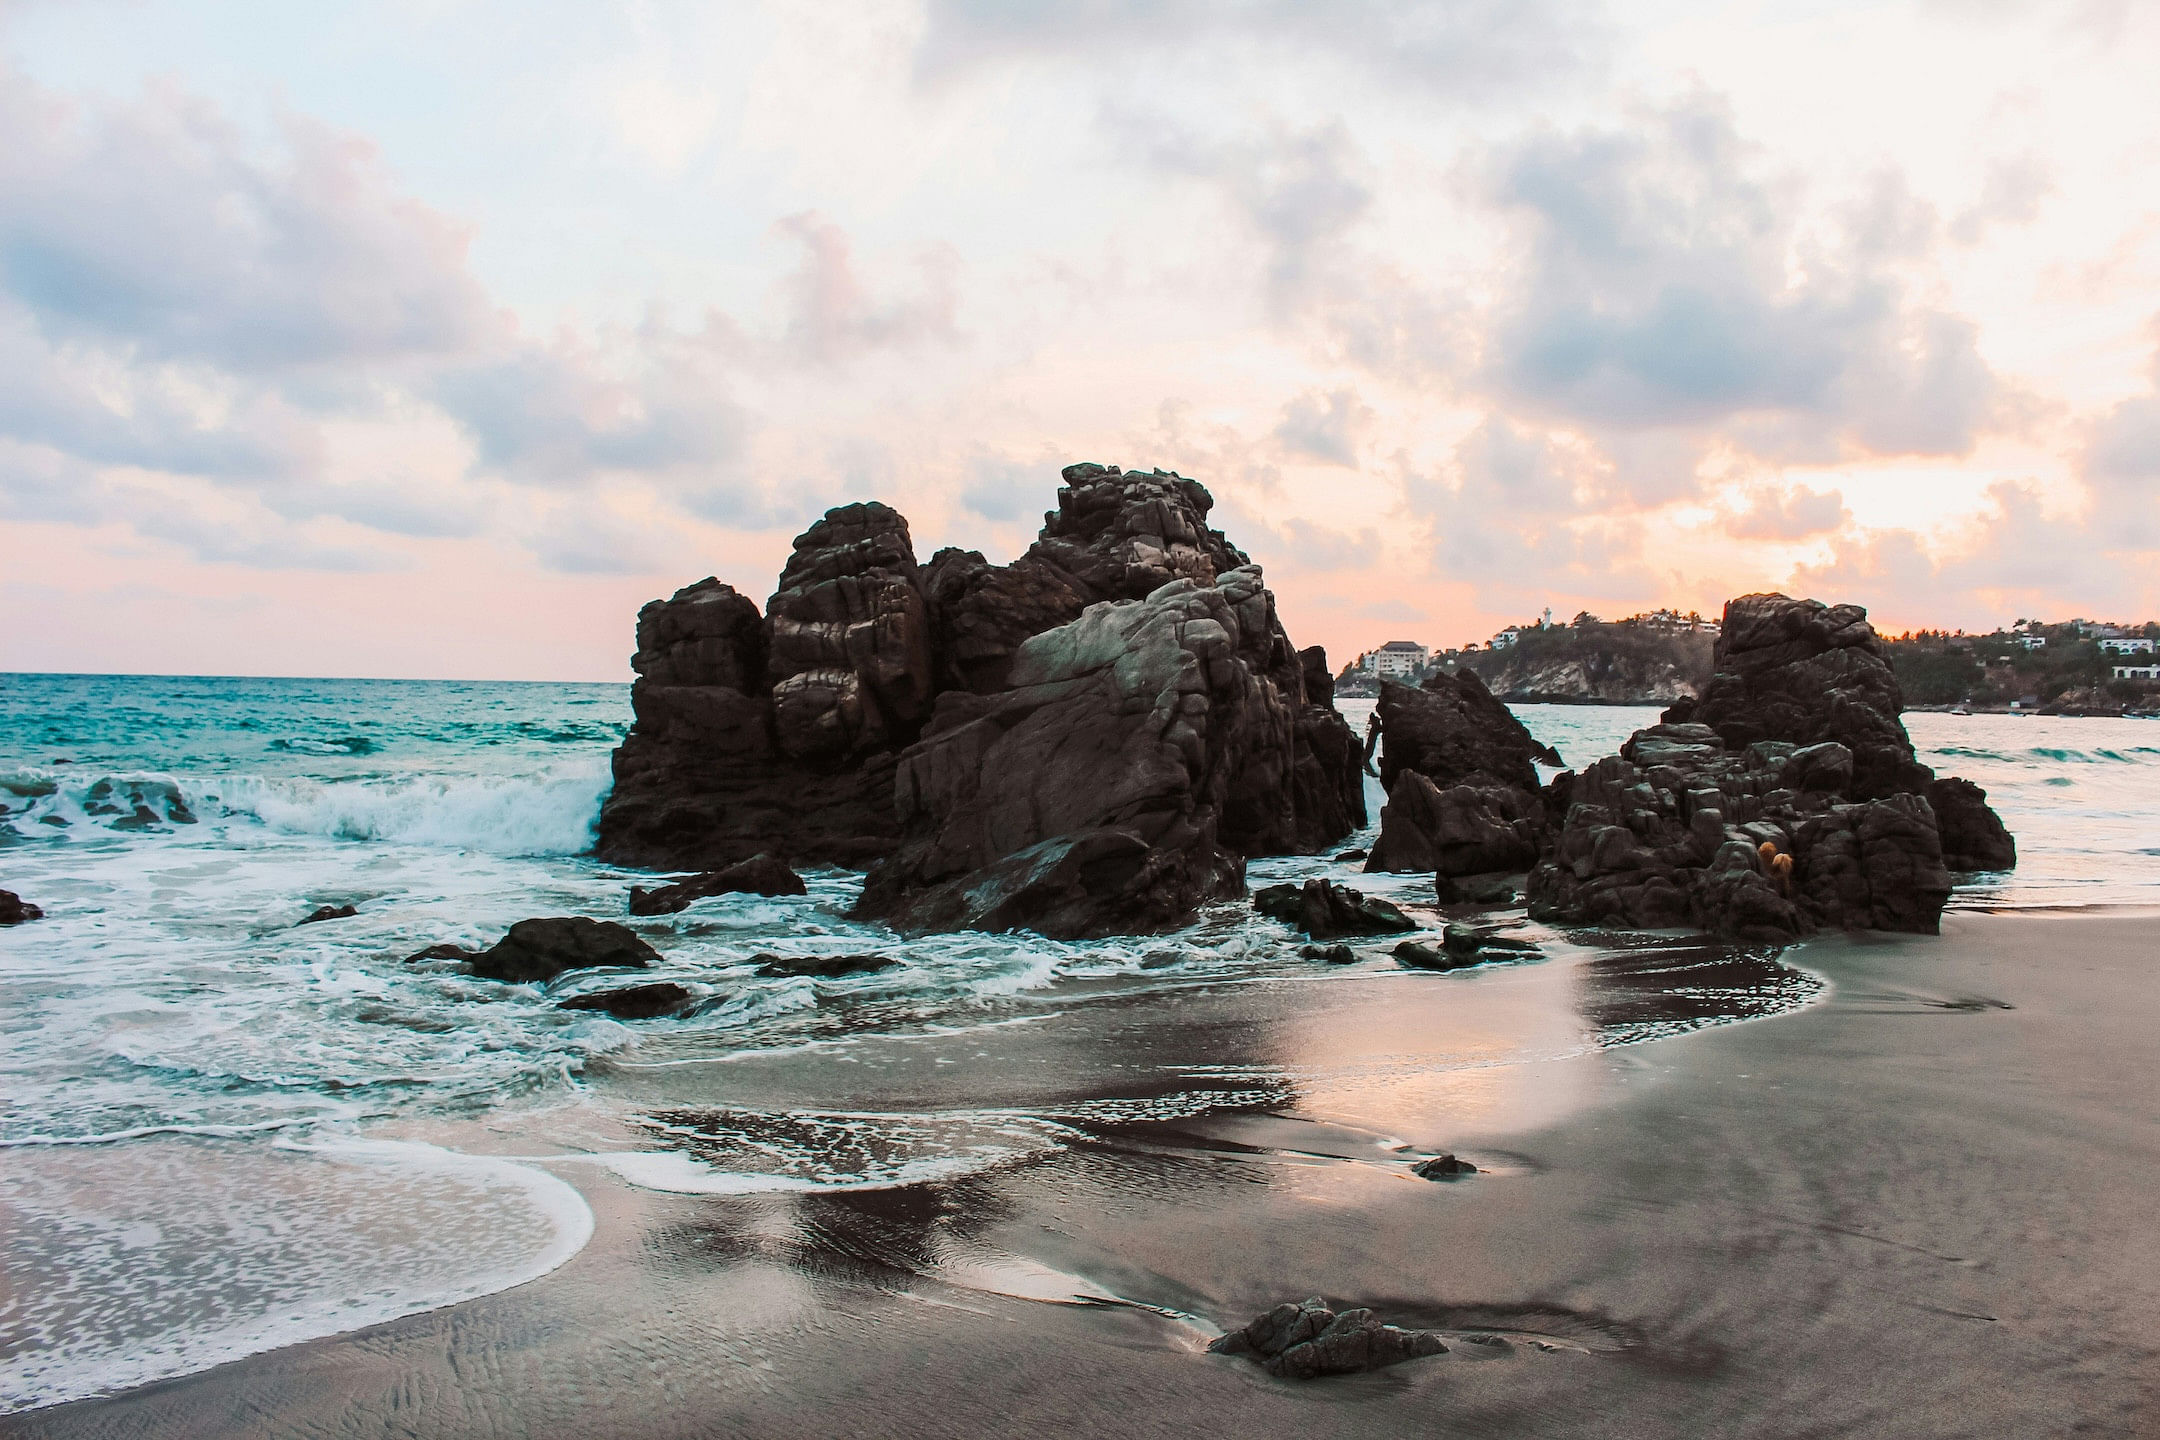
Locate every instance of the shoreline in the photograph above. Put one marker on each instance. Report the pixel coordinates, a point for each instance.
(1916, 1205)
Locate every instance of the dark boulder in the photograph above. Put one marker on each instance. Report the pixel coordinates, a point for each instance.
(536, 951)
(1324, 910)
(632, 1002)
(783, 733)
(1803, 672)
(1090, 798)
(1443, 1167)
(14, 910)
(1309, 1340)
(1336, 954)
(1423, 955)
(1472, 940)
(1452, 730)
(456, 953)
(820, 967)
(1478, 892)
(1472, 828)
(1351, 856)
(327, 912)
(759, 875)
(1973, 835)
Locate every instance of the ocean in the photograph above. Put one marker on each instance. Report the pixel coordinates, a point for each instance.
(224, 1131)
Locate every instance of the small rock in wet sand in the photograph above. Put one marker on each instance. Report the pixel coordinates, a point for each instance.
(1324, 910)
(328, 912)
(1336, 954)
(1444, 1167)
(821, 967)
(540, 950)
(1306, 1341)
(759, 875)
(1419, 955)
(1468, 940)
(633, 1002)
(14, 910)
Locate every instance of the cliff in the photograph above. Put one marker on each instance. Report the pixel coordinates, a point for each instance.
(1594, 662)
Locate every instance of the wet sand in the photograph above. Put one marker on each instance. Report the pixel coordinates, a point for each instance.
(1924, 1205)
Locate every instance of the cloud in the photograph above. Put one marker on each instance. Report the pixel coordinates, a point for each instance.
(1324, 427)
(1788, 512)
(833, 319)
(155, 226)
(1668, 283)
(1002, 491)
(1445, 51)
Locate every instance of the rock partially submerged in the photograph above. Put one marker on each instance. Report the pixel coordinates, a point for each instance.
(1306, 1341)
(759, 875)
(1443, 1167)
(14, 910)
(1323, 910)
(1787, 799)
(1973, 835)
(327, 912)
(536, 951)
(821, 967)
(1461, 946)
(1336, 954)
(632, 1002)
(1461, 776)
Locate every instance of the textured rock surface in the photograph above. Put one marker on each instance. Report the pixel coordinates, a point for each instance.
(1461, 775)
(1092, 796)
(759, 875)
(1787, 799)
(1973, 835)
(1309, 1340)
(1324, 910)
(786, 733)
(536, 951)
(632, 1002)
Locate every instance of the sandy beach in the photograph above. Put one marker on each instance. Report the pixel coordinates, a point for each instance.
(1920, 1206)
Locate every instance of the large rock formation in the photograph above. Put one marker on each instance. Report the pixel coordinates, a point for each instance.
(1787, 799)
(962, 718)
(1461, 773)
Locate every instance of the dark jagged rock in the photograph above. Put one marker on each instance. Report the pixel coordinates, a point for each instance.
(1452, 730)
(759, 875)
(849, 632)
(1473, 828)
(1324, 910)
(327, 912)
(796, 748)
(1973, 835)
(1306, 1341)
(632, 1002)
(1803, 672)
(1423, 955)
(1336, 954)
(1787, 799)
(1091, 797)
(1471, 940)
(1443, 1167)
(821, 967)
(14, 910)
(1461, 773)
(536, 951)
(441, 952)
(1351, 856)
(1488, 892)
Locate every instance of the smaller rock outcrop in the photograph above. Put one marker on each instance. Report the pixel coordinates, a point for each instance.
(327, 912)
(1461, 775)
(1324, 910)
(1336, 954)
(536, 951)
(1973, 835)
(14, 910)
(632, 1002)
(1443, 1167)
(1306, 1341)
(759, 875)
(821, 967)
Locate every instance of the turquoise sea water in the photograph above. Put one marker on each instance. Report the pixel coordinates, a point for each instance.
(167, 1020)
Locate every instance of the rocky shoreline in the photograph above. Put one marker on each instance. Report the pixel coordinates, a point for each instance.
(1094, 739)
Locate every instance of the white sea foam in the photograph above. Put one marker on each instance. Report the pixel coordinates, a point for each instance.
(163, 1258)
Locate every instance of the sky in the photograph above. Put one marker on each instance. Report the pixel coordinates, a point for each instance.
(432, 338)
